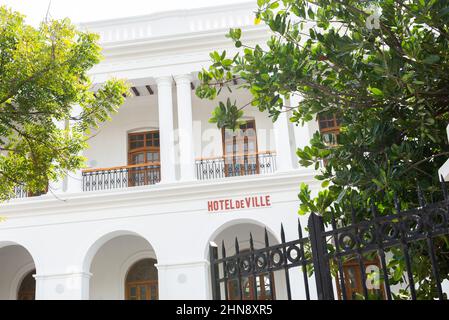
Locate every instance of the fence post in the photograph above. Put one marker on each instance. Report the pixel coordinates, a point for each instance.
(321, 267)
(214, 272)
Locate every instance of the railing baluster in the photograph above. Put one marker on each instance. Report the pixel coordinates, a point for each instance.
(225, 271)
(405, 250)
(303, 262)
(239, 277)
(213, 256)
(359, 254)
(253, 267)
(287, 274)
(381, 252)
(430, 245)
(339, 262)
(267, 245)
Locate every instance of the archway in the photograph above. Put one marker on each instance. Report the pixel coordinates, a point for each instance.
(27, 288)
(265, 286)
(17, 270)
(118, 257)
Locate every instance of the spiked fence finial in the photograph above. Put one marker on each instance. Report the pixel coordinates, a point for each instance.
(267, 242)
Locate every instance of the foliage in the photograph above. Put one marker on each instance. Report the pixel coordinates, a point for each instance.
(43, 75)
(384, 75)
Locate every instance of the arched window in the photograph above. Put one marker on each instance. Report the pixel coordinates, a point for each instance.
(141, 281)
(27, 289)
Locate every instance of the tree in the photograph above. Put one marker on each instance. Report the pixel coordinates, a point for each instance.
(43, 75)
(383, 68)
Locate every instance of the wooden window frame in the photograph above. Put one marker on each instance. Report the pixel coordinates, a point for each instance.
(245, 155)
(331, 130)
(145, 149)
(354, 263)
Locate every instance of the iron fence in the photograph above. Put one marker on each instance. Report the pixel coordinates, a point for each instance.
(325, 253)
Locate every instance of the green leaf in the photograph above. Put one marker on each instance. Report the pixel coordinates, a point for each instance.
(376, 91)
(431, 59)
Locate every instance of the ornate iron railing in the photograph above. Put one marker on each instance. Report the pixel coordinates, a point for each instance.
(121, 177)
(236, 165)
(361, 244)
(20, 192)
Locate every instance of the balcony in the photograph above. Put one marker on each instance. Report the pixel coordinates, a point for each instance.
(206, 169)
(121, 177)
(239, 165)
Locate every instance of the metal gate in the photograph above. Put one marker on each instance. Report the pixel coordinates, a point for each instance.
(325, 252)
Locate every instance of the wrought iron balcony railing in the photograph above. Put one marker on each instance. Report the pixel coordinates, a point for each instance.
(121, 177)
(20, 192)
(236, 165)
(150, 173)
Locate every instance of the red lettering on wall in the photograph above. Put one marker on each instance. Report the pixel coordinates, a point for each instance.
(237, 204)
(210, 206)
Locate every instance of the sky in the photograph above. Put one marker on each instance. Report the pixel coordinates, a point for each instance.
(91, 10)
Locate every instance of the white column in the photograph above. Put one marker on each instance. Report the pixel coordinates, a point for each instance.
(184, 281)
(67, 286)
(166, 132)
(185, 127)
(285, 141)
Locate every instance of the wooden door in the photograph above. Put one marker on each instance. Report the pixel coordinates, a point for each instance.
(27, 290)
(144, 158)
(142, 290)
(240, 150)
(142, 281)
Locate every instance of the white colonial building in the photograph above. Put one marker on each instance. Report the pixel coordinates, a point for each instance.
(162, 182)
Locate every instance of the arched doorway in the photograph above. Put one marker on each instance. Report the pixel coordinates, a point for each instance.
(118, 259)
(17, 268)
(141, 281)
(27, 289)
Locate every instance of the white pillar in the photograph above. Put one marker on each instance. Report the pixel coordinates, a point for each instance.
(67, 286)
(166, 132)
(285, 141)
(184, 281)
(185, 127)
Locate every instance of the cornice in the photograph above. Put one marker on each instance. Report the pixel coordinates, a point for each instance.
(193, 40)
(251, 5)
(160, 193)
